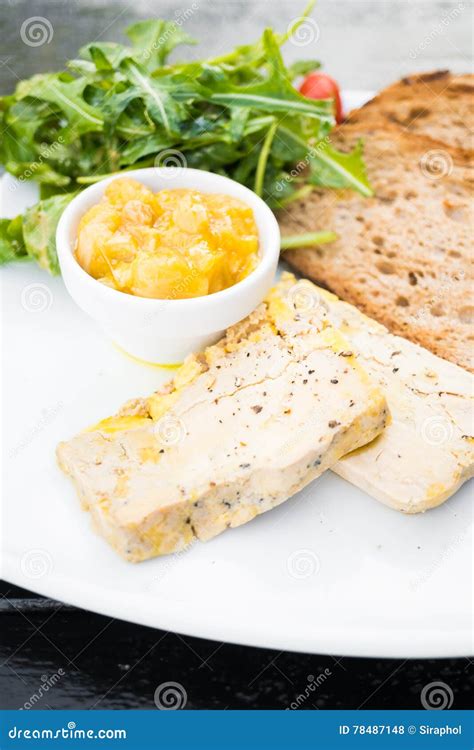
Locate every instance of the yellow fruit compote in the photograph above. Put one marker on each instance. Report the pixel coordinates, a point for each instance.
(168, 245)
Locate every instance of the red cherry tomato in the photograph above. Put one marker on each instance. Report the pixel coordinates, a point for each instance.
(322, 86)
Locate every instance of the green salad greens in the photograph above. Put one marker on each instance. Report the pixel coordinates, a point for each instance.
(122, 107)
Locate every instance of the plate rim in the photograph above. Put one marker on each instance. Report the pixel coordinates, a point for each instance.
(436, 643)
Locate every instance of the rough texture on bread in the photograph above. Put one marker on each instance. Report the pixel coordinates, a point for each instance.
(404, 256)
(439, 105)
(241, 428)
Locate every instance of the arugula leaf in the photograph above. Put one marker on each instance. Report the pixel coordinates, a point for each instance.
(67, 96)
(331, 168)
(274, 94)
(40, 172)
(13, 152)
(106, 56)
(39, 230)
(159, 102)
(302, 68)
(25, 117)
(155, 40)
(238, 121)
(12, 246)
(141, 147)
(32, 236)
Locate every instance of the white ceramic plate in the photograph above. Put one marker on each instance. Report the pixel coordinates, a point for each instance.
(330, 571)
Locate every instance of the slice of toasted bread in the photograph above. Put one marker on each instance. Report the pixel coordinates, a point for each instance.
(403, 256)
(439, 105)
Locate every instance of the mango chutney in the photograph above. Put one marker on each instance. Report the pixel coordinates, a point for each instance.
(171, 244)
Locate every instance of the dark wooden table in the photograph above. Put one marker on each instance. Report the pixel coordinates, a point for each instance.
(95, 662)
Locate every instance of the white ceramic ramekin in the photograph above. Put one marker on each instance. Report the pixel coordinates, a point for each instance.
(165, 331)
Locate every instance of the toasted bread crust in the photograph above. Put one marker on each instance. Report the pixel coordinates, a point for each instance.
(438, 104)
(404, 257)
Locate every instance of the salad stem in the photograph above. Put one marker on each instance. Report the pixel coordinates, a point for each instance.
(297, 195)
(263, 158)
(93, 178)
(294, 27)
(309, 239)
